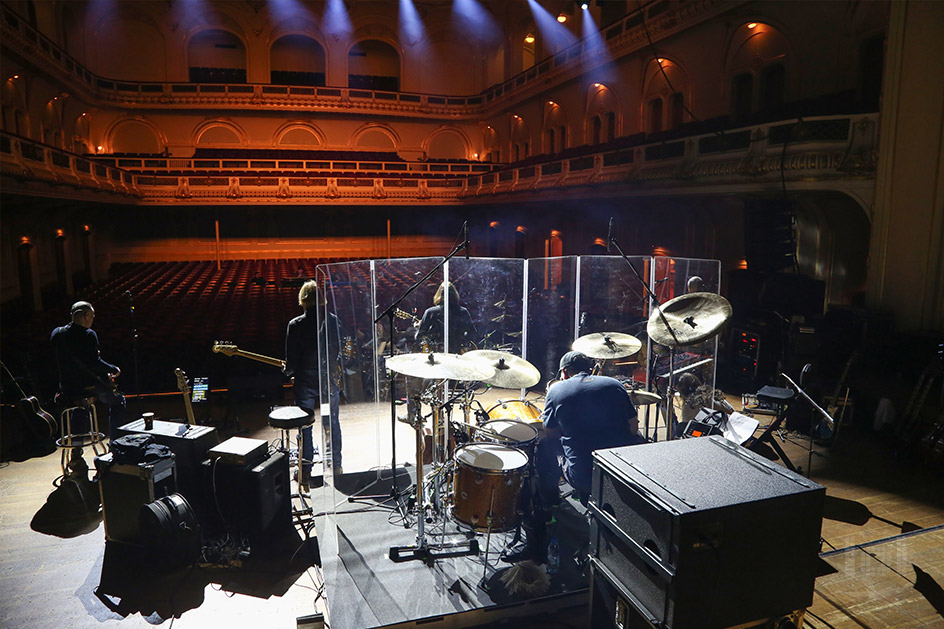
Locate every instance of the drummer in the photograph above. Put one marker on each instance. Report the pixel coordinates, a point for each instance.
(582, 413)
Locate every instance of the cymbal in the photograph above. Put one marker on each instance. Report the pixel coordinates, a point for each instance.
(694, 317)
(644, 398)
(435, 366)
(607, 345)
(511, 372)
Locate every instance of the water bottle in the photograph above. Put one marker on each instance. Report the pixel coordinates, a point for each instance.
(553, 556)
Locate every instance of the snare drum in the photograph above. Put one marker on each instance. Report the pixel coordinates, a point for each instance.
(512, 433)
(488, 480)
(522, 410)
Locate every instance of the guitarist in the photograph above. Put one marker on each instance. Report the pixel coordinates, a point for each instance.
(82, 372)
(306, 362)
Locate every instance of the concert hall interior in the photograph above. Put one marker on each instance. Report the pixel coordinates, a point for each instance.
(733, 208)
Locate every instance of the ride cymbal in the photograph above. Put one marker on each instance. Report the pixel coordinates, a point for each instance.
(693, 318)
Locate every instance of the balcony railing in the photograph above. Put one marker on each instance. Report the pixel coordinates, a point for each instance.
(826, 149)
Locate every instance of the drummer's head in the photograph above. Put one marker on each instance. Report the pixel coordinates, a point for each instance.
(573, 363)
(440, 294)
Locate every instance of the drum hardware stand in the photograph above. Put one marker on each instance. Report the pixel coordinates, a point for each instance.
(389, 314)
(423, 550)
(488, 539)
(670, 392)
(826, 416)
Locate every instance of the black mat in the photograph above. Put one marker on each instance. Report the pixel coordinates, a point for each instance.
(365, 588)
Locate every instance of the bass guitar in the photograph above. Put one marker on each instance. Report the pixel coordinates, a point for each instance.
(228, 349)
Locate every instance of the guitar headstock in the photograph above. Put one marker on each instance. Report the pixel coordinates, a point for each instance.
(181, 381)
(227, 349)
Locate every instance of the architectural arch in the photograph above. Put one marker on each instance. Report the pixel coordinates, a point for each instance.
(82, 135)
(374, 63)
(299, 134)
(602, 115)
(13, 100)
(491, 145)
(51, 127)
(447, 143)
(142, 46)
(219, 132)
(297, 59)
(375, 136)
(666, 91)
(758, 68)
(554, 132)
(134, 135)
(520, 138)
(216, 55)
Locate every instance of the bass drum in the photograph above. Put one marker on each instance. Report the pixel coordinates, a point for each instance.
(487, 484)
(522, 410)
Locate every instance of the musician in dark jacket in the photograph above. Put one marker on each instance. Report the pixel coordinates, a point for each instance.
(313, 373)
(432, 325)
(82, 371)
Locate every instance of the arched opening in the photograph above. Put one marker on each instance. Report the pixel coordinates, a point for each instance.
(549, 136)
(521, 242)
(596, 127)
(610, 126)
(375, 139)
(217, 56)
(677, 110)
(299, 136)
(494, 238)
(135, 138)
(217, 135)
(297, 60)
(654, 116)
(447, 145)
(373, 65)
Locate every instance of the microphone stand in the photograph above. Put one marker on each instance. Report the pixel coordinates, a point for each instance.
(832, 422)
(670, 393)
(134, 346)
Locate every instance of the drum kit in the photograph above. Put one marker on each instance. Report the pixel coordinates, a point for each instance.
(481, 462)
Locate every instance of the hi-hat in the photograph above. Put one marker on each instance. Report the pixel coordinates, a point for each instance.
(607, 345)
(511, 372)
(693, 318)
(436, 366)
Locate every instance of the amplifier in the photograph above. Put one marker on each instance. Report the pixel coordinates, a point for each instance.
(705, 533)
(127, 488)
(253, 500)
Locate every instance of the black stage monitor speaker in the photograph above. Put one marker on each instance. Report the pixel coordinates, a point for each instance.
(704, 533)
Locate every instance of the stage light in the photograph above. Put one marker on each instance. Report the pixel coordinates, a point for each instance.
(584, 6)
(529, 38)
(554, 35)
(411, 25)
(336, 20)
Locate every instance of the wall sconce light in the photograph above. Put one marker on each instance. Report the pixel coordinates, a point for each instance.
(562, 17)
(529, 38)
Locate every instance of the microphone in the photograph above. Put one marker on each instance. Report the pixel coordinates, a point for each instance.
(609, 235)
(465, 232)
(128, 294)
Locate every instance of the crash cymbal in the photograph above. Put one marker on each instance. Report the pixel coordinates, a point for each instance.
(435, 366)
(607, 345)
(511, 372)
(644, 398)
(694, 317)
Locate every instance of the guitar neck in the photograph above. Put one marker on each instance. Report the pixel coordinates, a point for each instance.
(259, 357)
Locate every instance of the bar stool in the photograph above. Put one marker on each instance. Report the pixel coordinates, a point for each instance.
(70, 443)
(285, 419)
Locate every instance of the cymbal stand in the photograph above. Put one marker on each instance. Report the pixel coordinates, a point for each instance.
(423, 550)
(670, 392)
(389, 314)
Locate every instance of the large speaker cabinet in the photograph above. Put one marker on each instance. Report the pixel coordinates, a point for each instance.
(126, 488)
(704, 533)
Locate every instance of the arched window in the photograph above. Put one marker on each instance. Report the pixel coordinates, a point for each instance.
(655, 115)
(297, 60)
(373, 65)
(217, 56)
(677, 112)
(742, 96)
(772, 84)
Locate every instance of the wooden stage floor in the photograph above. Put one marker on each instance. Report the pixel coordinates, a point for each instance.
(883, 534)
